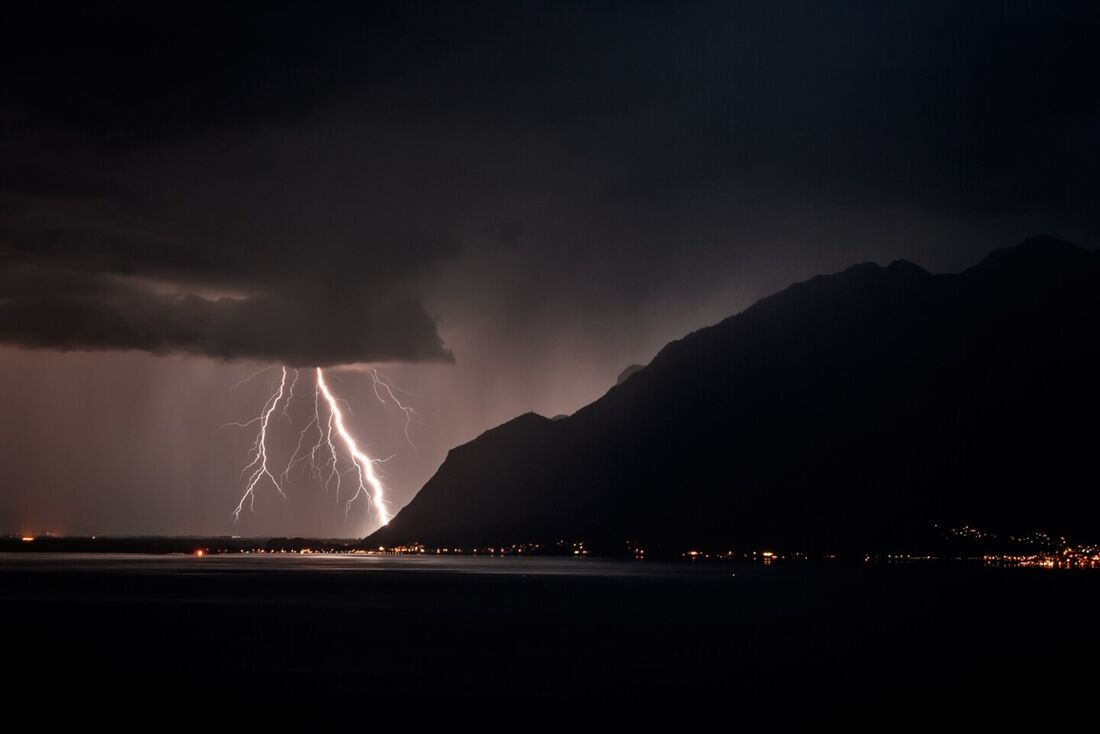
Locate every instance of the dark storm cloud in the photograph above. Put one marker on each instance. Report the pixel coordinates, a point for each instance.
(266, 181)
(67, 311)
(133, 74)
(89, 90)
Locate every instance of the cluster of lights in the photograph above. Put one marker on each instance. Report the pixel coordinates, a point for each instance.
(286, 551)
(1045, 550)
(766, 557)
(1085, 557)
(971, 533)
(1037, 538)
(515, 549)
(901, 558)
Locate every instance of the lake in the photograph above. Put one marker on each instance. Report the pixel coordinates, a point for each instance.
(416, 639)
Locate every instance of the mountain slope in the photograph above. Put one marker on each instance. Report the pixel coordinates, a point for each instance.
(848, 411)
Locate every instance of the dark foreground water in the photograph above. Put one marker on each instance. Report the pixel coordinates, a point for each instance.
(525, 643)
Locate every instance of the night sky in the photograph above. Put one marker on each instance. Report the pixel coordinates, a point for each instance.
(500, 206)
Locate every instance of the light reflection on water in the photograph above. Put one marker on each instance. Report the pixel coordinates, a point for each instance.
(334, 563)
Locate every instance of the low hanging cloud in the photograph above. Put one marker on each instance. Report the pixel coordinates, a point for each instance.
(92, 273)
(66, 310)
(87, 272)
(276, 279)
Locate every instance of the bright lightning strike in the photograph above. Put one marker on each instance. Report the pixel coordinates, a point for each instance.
(323, 457)
(259, 453)
(369, 483)
(286, 405)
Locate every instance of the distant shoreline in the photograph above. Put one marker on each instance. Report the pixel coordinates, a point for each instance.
(221, 545)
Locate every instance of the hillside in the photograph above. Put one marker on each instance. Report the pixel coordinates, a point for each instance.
(850, 411)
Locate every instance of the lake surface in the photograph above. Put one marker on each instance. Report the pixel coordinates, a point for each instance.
(410, 639)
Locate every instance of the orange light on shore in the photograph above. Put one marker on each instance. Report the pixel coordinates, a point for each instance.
(28, 538)
(200, 553)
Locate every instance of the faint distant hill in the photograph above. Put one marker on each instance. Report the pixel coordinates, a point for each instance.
(850, 411)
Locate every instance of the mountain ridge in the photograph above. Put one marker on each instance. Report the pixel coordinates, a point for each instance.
(849, 409)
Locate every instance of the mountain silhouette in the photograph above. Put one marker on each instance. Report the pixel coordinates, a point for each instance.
(849, 412)
(625, 374)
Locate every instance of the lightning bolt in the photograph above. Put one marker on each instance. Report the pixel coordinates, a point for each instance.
(254, 375)
(382, 387)
(334, 472)
(323, 458)
(297, 456)
(258, 464)
(286, 405)
(324, 447)
(369, 483)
